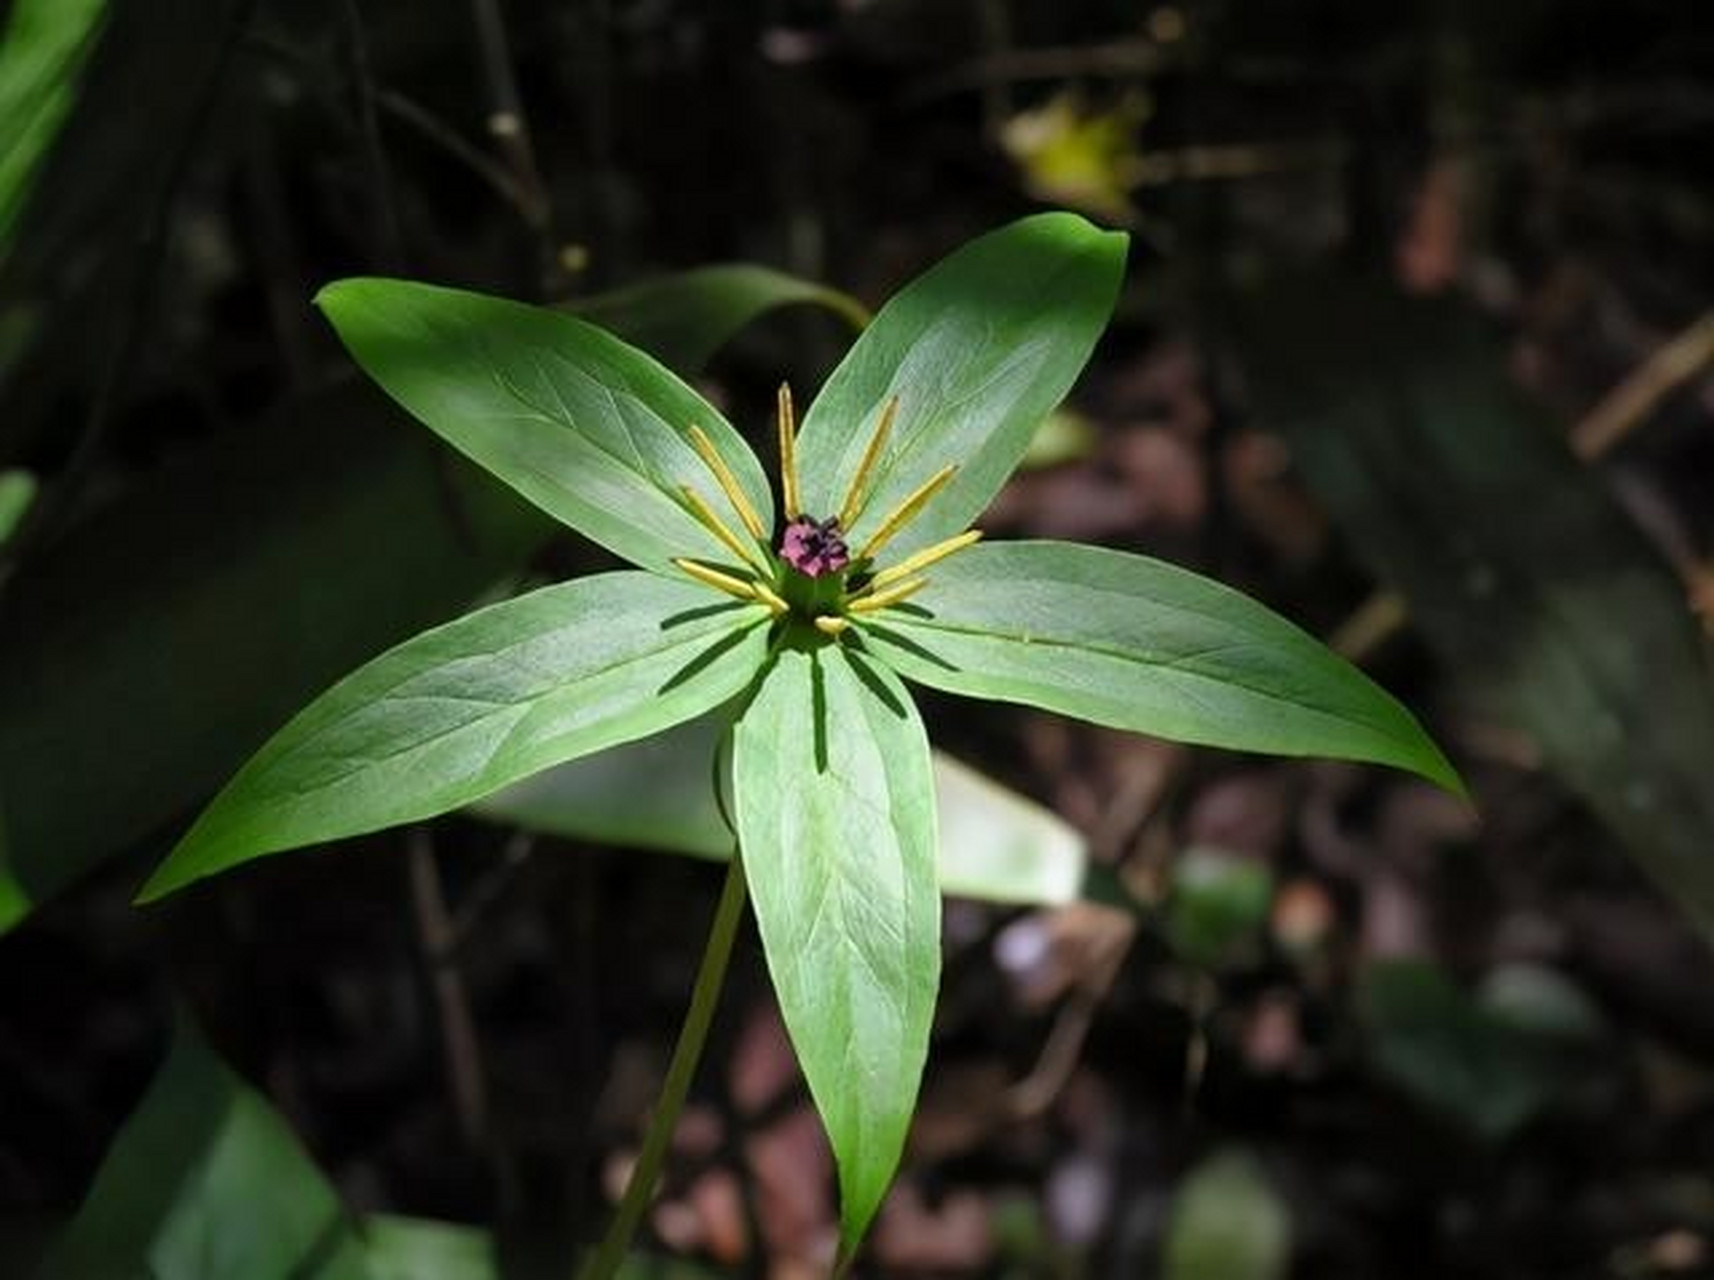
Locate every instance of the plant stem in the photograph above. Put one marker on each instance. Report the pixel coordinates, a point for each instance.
(686, 1054)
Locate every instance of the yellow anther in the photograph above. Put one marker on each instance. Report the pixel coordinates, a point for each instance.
(922, 559)
(786, 421)
(718, 580)
(906, 510)
(831, 624)
(852, 507)
(892, 595)
(718, 527)
(728, 483)
(768, 596)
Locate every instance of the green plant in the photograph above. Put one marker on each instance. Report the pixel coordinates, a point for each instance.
(802, 625)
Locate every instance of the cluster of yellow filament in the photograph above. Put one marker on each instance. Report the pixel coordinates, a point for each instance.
(887, 587)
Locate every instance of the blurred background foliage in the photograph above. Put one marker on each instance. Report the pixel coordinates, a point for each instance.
(1415, 346)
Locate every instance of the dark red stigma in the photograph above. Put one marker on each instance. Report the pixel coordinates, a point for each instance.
(814, 547)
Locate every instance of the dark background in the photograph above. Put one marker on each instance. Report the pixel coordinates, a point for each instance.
(1413, 346)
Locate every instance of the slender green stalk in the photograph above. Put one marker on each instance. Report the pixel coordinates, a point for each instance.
(686, 1054)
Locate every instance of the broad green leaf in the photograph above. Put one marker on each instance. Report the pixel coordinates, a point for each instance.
(690, 313)
(657, 794)
(1137, 644)
(1227, 1223)
(590, 429)
(206, 1182)
(978, 350)
(101, 743)
(463, 709)
(833, 800)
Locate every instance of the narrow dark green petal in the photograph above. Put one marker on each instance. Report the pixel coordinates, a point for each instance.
(978, 350)
(590, 429)
(834, 803)
(464, 709)
(1134, 643)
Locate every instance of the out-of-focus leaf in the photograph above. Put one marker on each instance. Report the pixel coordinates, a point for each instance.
(658, 794)
(17, 491)
(1135, 643)
(42, 51)
(75, 247)
(423, 1249)
(689, 315)
(153, 648)
(206, 1182)
(1492, 1064)
(1539, 593)
(1079, 158)
(1218, 903)
(1227, 1223)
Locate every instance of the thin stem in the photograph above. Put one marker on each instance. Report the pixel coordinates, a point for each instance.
(686, 1054)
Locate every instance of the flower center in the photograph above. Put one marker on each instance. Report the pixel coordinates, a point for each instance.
(814, 547)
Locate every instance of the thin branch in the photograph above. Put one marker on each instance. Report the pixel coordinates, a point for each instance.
(459, 1047)
(506, 120)
(710, 977)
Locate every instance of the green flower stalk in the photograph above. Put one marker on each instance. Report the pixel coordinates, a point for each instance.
(803, 625)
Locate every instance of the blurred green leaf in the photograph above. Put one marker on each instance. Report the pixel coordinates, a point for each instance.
(658, 794)
(1539, 593)
(1492, 1064)
(17, 492)
(423, 1249)
(206, 1182)
(1227, 1223)
(1218, 905)
(42, 51)
(689, 315)
(1134, 643)
(978, 349)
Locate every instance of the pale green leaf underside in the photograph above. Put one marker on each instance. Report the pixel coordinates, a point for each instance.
(462, 710)
(834, 803)
(590, 429)
(1137, 644)
(978, 350)
(654, 794)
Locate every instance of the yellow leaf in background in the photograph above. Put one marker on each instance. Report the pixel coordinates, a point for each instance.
(1072, 155)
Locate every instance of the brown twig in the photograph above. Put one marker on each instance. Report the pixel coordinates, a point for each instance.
(436, 933)
(507, 124)
(1630, 404)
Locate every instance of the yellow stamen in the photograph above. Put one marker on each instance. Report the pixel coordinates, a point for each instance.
(718, 527)
(728, 483)
(831, 625)
(903, 513)
(719, 581)
(922, 559)
(892, 595)
(852, 507)
(768, 596)
(786, 420)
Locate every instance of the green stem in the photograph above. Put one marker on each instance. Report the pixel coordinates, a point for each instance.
(686, 1054)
